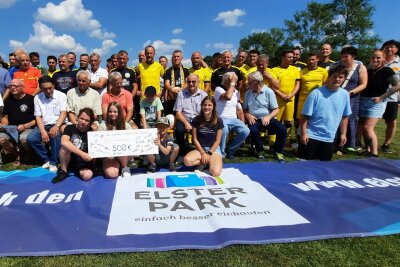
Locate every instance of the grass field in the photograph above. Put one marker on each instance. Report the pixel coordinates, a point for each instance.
(372, 251)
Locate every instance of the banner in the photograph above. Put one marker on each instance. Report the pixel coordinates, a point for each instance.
(252, 203)
(136, 142)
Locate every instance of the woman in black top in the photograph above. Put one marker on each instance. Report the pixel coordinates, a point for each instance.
(372, 102)
(207, 134)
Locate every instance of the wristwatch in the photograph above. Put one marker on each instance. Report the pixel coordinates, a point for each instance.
(209, 153)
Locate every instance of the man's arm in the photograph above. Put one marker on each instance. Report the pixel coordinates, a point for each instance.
(303, 130)
(72, 117)
(56, 127)
(4, 120)
(129, 114)
(295, 89)
(182, 118)
(343, 130)
(66, 143)
(100, 84)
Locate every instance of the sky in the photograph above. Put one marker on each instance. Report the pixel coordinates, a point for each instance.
(209, 26)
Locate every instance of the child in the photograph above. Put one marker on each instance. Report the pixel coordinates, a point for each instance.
(207, 134)
(168, 150)
(150, 108)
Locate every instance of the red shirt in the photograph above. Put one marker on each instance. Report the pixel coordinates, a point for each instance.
(124, 99)
(30, 78)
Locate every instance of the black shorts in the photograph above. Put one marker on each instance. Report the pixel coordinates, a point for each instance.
(77, 163)
(391, 111)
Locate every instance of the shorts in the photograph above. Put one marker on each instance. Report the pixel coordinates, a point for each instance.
(391, 111)
(286, 110)
(217, 150)
(77, 164)
(163, 160)
(369, 109)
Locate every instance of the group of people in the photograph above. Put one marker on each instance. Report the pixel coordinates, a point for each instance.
(332, 105)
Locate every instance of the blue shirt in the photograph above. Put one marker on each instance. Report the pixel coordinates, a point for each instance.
(188, 104)
(325, 109)
(261, 104)
(5, 79)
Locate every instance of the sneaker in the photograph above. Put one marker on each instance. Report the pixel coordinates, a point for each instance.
(132, 163)
(351, 149)
(152, 168)
(172, 167)
(179, 161)
(61, 176)
(230, 156)
(359, 146)
(53, 168)
(126, 172)
(279, 157)
(46, 165)
(201, 168)
(386, 148)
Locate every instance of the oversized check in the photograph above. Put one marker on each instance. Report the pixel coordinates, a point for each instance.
(102, 144)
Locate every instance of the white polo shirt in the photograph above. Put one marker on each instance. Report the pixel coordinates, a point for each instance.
(50, 108)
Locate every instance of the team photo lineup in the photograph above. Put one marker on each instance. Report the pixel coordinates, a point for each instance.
(202, 114)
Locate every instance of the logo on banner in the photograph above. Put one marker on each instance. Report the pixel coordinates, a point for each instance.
(191, 202)
(186, 180)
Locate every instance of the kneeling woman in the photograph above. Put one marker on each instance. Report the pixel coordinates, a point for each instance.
(74, 148)
(115, 121)
(207, 133)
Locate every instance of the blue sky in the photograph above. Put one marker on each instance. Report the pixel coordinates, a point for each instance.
(208, 26)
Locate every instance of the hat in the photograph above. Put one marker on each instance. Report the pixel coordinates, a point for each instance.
(163, 120)
(150, 90)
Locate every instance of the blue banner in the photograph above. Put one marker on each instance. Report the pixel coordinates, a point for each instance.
(252, 203)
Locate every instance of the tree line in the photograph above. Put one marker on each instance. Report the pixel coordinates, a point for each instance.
(339, 23)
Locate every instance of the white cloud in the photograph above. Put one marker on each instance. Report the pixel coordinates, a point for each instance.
(187, 62)
(105, 48)
(338, 19)
(45, 41)
(7, 3)
(163, 48)
(72, 15)
(223, 46)
(230, 18)
(177, 31)
(258, 30)
(208, 45)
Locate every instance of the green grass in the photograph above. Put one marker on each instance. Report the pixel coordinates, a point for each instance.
(371, 251)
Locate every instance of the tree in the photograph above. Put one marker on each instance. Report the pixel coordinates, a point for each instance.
(339, 22)
(307, 27)
(352, 24)
(266, 42)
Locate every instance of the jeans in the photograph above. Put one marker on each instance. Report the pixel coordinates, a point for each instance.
(180, 131)
(34, 139)
(274, 127)
(238, 127)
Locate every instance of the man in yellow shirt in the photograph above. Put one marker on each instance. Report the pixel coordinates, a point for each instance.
(289, 80)
(310, 78)
(203, 73)
(150, 71)
(269, 77)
